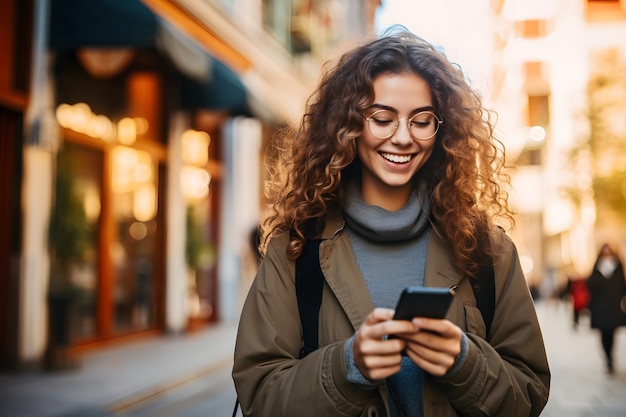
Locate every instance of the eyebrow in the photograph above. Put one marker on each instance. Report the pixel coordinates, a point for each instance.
(417, 110)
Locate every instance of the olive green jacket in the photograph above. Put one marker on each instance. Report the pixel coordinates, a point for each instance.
(507, 376)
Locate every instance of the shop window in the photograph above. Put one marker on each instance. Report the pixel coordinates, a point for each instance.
(113, 143)
(536, 77)
(532, 28)
(74, 235)
(199, 182)
(606, 10)
(539, 110)
(134, 185)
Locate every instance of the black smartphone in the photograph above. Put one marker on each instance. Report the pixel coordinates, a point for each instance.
(431, 302)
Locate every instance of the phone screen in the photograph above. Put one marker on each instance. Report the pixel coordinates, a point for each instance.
(428, 302)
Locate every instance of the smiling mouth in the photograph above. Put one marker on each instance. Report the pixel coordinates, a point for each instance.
(397, 159)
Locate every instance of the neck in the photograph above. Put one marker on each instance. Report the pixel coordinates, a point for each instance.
(389, 198)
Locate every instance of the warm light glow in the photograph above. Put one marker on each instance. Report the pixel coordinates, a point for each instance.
(195, 147)
(101, 127)
(142, 125)
(537, 134)
(142, 172)
(63, 115)
(131, 168)
(124, 162)
(144, 203)
(91, 203)
(194, 182)
(558, 216)
(126, 131)
(79, 118)
(528, 186)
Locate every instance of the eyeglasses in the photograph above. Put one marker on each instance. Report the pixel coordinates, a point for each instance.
(382, 124)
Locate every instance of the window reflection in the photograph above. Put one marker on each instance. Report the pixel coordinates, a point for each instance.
(134, 207)
(74, 235)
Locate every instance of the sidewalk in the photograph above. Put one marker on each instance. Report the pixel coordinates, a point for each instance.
(580, 385)
(114, 378)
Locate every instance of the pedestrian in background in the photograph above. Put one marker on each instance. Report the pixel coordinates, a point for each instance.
(607, 287)
(395, 167)
(579, 295)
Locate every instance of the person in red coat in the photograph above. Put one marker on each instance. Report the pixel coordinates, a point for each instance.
(579, 293)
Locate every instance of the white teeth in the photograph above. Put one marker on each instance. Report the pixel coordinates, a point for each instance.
(398, 159)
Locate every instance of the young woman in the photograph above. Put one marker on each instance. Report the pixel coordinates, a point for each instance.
(396, 168)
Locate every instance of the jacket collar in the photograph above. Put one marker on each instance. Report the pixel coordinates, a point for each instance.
(333, 224)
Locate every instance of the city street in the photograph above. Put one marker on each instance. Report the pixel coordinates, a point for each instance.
(189, 376)
(580, 385)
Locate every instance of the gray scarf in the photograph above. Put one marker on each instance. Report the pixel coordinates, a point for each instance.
(380, 225)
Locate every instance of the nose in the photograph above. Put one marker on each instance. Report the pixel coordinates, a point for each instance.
(402, 136)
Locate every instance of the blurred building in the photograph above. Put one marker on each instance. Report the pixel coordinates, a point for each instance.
(545, 54)
(131, 143)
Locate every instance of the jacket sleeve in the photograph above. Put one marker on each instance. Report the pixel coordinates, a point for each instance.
(269, 378)
(508, 375)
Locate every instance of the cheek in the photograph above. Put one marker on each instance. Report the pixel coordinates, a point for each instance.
(365, 144)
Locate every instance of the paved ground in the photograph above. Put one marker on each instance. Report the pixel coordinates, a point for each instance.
(114, 380)
(188, 376)
(580, 385)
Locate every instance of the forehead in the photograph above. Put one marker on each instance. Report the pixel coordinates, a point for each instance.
(403, 92)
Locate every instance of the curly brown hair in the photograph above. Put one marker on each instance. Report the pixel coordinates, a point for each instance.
(462, 176)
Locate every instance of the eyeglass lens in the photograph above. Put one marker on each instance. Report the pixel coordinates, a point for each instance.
(422, 126)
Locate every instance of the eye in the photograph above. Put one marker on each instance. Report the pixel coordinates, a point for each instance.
(383, 118)
(421, 123)
(381, 121)
(423, 120)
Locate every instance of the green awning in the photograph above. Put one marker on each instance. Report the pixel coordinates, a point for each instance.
(204, 82)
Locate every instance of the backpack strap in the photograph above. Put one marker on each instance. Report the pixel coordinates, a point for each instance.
(485, 294)
(309, 284)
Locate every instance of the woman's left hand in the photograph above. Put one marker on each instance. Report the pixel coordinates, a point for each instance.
(435, 346)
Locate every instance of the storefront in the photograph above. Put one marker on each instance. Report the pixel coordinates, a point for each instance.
(123, 76)
(131, 143)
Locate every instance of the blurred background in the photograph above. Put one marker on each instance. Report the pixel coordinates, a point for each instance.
(132, 151)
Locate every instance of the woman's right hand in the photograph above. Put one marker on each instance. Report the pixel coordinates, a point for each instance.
(376, 356)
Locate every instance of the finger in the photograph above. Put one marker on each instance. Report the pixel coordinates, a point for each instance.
(378, 359)
(379, 374)
(377, 315)
(438, 357)
(380, 346)
(384, 329)
(443, 327)
(433, 341)
(378, 366)
(372, 362)
(433, 362)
